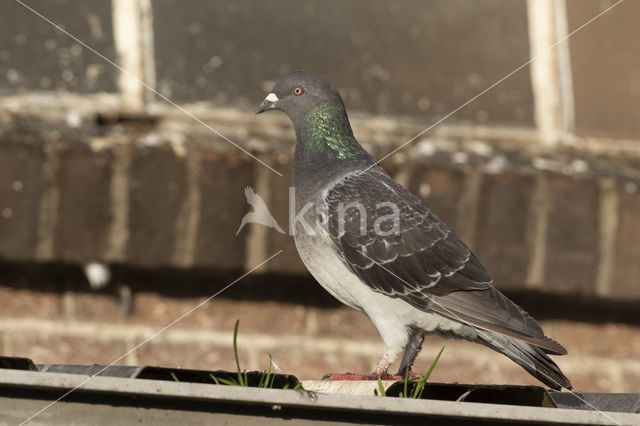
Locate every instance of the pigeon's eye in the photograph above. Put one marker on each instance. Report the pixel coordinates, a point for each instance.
(297, 91)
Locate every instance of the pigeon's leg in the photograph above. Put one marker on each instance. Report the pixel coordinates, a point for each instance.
(395, 336)
(383, 365)
(410, 352)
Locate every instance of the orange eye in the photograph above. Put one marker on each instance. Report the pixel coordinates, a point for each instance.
(297, 91)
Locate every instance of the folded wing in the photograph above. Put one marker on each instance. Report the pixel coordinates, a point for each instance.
(398, 247)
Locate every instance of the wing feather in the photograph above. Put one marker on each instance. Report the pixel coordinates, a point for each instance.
(423, 262)
(421, 254)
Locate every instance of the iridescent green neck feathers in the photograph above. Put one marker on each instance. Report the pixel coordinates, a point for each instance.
(325, 133)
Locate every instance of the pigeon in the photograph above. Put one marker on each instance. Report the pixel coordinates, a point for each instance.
(379, 249)
(260, 213)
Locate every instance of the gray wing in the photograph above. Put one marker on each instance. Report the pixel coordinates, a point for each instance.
(398, 247)
(395, 244)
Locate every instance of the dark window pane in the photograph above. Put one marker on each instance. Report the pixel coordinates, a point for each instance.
(605, 62)
(417, 58)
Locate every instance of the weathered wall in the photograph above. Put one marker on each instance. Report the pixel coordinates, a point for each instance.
(138, 199)
(162, 192)
(540, 174)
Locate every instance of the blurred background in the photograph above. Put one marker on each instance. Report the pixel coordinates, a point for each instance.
(119, 210)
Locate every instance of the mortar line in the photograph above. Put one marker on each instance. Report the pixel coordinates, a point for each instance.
(119, 204)
(132, 356)
(256, 241)
(608, 228)
(188, 221)
(468, 206)
(69, 305)
(49, 203)
(536, 234)
(160, 95)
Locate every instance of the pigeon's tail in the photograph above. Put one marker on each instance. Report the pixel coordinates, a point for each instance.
(531, 358)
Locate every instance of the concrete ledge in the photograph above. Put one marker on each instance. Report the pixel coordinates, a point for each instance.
(364, 387)
(107, 394)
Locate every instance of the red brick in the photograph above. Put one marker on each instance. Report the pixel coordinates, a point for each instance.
(502, 227)
(616, 341)
(21, 187)
(288, 261)
(64, 350)
(572, 235)
(221, 314)
(440, 189)
(602, 380)
(313, 365)
(344, 322)
(20, 303)
(84, 215)
(154, 309)
(193, 355)
(627, 268)
(223, 204)
(157, 191)
(256, 316)
(97, 307)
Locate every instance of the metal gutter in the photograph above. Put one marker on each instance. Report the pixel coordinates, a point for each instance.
(107, 396)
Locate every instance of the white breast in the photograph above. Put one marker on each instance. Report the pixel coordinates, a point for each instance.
(391, 316)
(327, 268)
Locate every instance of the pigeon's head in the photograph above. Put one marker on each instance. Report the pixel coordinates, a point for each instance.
(299, 92)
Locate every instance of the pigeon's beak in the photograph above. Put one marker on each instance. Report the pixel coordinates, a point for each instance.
(269, 103)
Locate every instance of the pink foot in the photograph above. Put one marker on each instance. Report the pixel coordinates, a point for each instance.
(383, 376)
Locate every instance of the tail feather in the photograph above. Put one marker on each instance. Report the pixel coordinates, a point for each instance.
(532, 358)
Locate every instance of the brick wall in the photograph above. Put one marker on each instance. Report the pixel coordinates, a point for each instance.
(540, 175)
(161, 192)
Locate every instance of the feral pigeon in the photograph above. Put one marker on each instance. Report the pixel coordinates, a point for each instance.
(377, 248)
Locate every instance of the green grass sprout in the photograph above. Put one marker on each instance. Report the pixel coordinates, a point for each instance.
(380, 387)
(267, 378)
(419, 383)
(242, 378)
